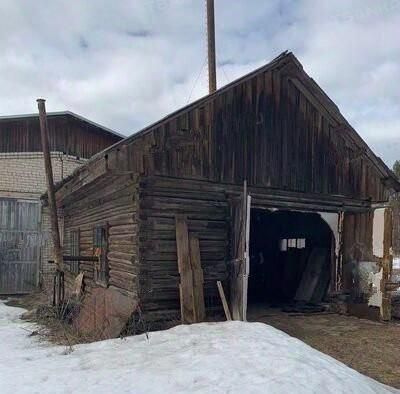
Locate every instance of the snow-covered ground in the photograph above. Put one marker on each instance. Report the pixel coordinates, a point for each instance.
(205, 358)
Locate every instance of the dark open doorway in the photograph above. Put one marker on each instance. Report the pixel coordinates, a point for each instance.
(290, 257)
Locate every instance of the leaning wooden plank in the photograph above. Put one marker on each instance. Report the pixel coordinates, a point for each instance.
(223, 299)
(77, 287)
(198, 279)
(311, 276)
(185, 271)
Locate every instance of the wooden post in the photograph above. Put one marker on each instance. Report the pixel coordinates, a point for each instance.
(387, 261)
(55, 233)
(212, 72)
(198, 279)
(185, 270)
(223, 299)
(246, 270)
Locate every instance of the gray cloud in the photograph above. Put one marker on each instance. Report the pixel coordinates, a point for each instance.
(127, 63)
(139, 33)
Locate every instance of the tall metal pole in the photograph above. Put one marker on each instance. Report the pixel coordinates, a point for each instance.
(55, 232)
(212, 71)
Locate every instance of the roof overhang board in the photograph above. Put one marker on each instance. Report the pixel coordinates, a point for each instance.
(93, 188)
(80, 179)
(50, 115)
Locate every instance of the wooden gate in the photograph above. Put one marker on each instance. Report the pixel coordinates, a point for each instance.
(19, 245)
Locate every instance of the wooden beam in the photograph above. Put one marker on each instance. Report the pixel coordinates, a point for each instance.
(212, 71)
(198, 279)
(224, 302)
(386, 310)
(185, 270)
(55, 232)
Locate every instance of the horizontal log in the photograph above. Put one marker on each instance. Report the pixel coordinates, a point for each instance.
(168, 223)
(131, 294)
(122, 237)
(120, 256)
(148, 254)
(123, 276)
(211, 235)
(124, 219)
(122, 285)
(123, 267)
(123, 229)
(123, 248)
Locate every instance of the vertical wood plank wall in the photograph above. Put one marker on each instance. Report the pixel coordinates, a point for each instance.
(268, 129)
(357, 243)
(66, 134)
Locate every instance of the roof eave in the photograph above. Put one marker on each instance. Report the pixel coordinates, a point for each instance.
(63, 113)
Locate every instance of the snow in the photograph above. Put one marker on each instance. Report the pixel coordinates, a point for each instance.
(231, 357)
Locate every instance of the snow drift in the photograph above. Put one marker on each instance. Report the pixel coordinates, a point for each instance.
(232, 357)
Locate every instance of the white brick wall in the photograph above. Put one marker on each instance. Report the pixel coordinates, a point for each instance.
(22, 175)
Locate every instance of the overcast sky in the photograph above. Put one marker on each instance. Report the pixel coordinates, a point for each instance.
(127, 63)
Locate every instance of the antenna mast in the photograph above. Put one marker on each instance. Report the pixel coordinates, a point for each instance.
(212, 72)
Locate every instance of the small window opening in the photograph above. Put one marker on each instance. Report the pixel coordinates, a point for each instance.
(283, 245)
(292, 243)
(100, 247)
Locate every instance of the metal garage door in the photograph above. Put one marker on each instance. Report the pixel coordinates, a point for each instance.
(19, 245)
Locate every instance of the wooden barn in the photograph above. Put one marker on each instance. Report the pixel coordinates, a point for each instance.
(262, 185)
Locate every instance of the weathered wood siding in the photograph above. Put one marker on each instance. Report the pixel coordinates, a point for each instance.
(208, 208)
(66, 134)
(19, 245)
(274, 128)
(357, 244)
(207, 213)
(111, 202)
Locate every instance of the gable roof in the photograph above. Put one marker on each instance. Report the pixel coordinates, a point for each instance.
(104, 129)
(285, 58)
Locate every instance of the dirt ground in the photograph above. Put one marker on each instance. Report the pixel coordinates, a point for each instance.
(369, 347)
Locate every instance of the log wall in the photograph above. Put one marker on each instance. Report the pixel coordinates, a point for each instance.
(111, 202)
(206, 208)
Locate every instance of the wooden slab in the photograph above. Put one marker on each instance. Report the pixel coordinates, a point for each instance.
(185, 271)
(312, 275)
(104, 313)
(223, 299)
(198, 279)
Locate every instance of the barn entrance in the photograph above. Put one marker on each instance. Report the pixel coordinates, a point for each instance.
(291, 255)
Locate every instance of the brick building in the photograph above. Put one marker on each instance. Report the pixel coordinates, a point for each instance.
(25, 242)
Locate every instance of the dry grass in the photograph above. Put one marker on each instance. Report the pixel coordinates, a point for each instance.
(371, 348)
(54, 324)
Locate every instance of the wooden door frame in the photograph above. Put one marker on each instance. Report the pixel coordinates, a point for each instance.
(336, 259)
(239, 253)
